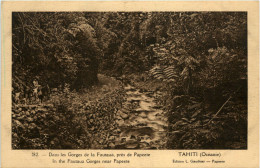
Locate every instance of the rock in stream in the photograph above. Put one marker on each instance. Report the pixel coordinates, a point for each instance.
(142, 127)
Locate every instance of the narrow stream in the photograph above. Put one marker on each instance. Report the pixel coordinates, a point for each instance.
(141, 122)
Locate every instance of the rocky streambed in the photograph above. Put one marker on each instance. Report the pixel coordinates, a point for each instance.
(141, 122)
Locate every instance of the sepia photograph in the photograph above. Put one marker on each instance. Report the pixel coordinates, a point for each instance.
(130, 80)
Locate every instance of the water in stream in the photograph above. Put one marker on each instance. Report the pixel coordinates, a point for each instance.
(142, 123)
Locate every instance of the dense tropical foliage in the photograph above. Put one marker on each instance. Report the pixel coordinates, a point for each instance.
(198, 60)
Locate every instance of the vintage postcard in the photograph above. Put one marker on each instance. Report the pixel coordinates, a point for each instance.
(130, 84)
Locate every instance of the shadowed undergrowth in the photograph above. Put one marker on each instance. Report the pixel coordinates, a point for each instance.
(74, 120)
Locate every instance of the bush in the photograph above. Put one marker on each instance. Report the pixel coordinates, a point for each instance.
(74, 120)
